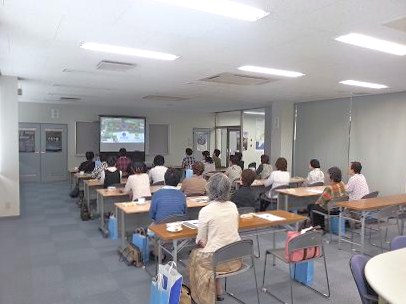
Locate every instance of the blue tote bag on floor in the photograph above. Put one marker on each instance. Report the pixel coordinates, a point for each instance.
(159, 295)
(112, 227)
(140, 239)
(172, 281)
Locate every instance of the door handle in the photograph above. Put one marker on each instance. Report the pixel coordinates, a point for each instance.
(36, 152)
(43, 152)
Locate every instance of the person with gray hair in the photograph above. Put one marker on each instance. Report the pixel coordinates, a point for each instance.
(218, 227)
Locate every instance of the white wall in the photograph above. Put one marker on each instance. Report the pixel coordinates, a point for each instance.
(181, 124)
(249, 125)
(9, 163)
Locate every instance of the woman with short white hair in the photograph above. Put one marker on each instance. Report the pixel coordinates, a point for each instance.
(218, 227)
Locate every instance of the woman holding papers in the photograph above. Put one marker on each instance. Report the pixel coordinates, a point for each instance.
(218, 227)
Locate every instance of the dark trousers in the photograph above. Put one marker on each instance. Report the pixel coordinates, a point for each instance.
(318, 219)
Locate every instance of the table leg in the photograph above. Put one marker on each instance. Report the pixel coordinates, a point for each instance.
(175, 251)
(159, 253)
(122, 230)
(101, 209)
(363, 215)
(86, 194)
(286, 202)
(339, 228)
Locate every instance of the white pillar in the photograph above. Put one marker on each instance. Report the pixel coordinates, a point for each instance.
(9, 158)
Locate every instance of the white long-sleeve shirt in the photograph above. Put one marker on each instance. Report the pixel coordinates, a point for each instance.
(276, 179)
(357, 187)
(315, 176)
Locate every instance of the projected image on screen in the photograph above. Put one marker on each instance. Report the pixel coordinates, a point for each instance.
(121, 132)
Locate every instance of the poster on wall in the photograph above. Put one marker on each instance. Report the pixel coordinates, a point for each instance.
(245, 141)
(259, 134)
(26, 140)
(53, 140)
(202, 141)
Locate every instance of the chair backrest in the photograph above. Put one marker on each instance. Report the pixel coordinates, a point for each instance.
(333, 203)
(233, 251)
(159, 183)
(316, 184)
(252, 165)
(371, 195)
(173, 218)
(387, 212)
(398, 242)
(245, 210)
(357, 265)
(306, 240)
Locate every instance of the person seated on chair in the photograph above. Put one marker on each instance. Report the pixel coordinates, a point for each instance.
(265, 168)
(216, 158)
(99, 168)
(188, 160)
(209, 165)
(157, 173)
(138, 183)
(168, 200)
(244, 196)
(357, 185)
(111, 175)
(218, 227)
(315, 175)
(123, 162)
(88, 165)
(195, 184)
(335, 189)
(240, 162)
(279, 177)
(233, 171)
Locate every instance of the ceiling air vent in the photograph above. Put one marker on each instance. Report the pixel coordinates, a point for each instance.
(64, 98)
(164, 98)
(237, 79)
(398, 24)
(112, 66)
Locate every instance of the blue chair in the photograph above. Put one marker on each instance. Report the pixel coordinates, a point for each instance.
(398, 242)
(357, 265)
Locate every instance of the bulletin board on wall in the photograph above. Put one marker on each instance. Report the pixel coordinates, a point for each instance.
(87, 137)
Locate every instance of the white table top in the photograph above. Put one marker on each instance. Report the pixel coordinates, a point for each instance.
(386, 273)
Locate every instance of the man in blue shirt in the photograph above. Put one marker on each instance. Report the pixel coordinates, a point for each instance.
(168, 200)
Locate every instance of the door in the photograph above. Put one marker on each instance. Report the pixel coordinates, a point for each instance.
(43, 152)
(228, 141)
(53, 152)
(29, 136)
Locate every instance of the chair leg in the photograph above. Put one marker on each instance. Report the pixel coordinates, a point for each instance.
(291, 281)
(258, 246)
(255, 277)
(263, 277)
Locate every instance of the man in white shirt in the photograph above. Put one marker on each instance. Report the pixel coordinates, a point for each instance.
(357, 185)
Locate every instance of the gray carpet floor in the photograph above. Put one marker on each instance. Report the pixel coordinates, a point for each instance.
(49, 256)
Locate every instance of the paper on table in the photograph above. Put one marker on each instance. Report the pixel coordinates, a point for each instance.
(315, 191)
(192, 224)
(201, 199)
(269, 217)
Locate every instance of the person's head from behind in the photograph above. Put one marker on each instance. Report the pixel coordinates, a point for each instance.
(264, 159)
(216, 152)
(218, 187)
(159, 160)
(139, 167)
(89, 155)
(239, 156)
(206, 154)
(335, 174)
(314, 164)
(233, 160)
(281, 164)
(208, 159)
(189, 151)
(198, 168)
(111, 161)
(122, 152)
(248, 177)
(172, 177)
(355, 168)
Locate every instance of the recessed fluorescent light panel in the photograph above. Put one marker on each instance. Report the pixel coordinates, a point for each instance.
(106, 48)
(222, 7)
(261, 70)
(373, 43)
(254, 113)
(364, 84)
